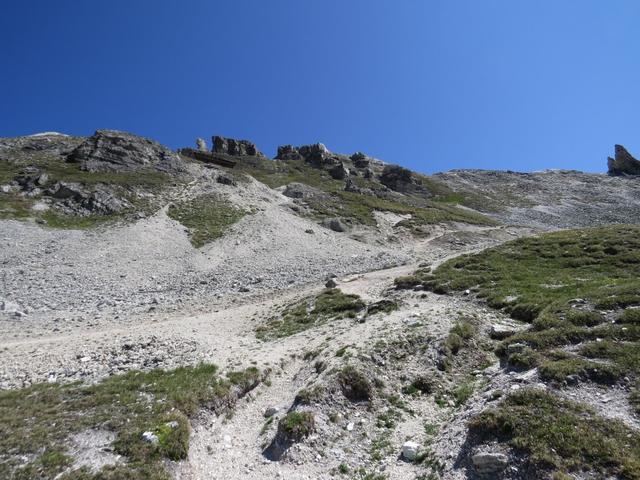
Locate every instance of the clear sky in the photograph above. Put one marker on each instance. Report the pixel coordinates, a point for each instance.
(429, 84)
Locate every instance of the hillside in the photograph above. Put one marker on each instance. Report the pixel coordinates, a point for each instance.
(196, 314)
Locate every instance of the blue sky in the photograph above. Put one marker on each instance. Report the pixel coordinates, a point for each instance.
(430, 84)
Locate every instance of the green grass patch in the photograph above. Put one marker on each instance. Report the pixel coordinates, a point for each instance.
(331, 304)
(297, 425)
(37, 422)
(207, 218)
(560, 436)
(565, 284)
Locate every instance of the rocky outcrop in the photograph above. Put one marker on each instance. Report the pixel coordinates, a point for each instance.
(112, 150)
(623, 163)
(360, 160)
(288, 152)
(397, 178)
(75, 199)
(339, 171)
(50, 143)
(231, 146)
(317, 154)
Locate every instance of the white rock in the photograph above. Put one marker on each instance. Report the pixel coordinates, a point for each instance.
(150, 437)
(410, 450)
(350, 426)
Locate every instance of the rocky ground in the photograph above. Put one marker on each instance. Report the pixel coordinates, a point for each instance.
(87, 304)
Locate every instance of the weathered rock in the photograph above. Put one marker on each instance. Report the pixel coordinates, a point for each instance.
(368, 173)
(231, 146)
(350, 186)
(334, 224)
(288, 152)
(316, 154)
(225, 179)
(410, 451)
(201, 144)
(500, 331)
(51, 143)
(76, 199)
(297, 190)
(489, 463)
(8, 306)
(339, 172)
(623, 163)
(111, 150)
(360, 160)
(397, 178)
(331, 283)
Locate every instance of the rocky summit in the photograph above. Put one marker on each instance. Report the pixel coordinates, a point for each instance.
(199, 314)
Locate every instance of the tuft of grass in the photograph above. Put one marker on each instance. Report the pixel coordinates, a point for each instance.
(207, 217)
(37, 422)
(354, 384)
(331, 304)
(560, 436)
(296, 425)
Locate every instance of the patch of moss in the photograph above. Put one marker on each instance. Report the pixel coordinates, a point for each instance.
(207, 217)
(561, 436)
(331, 304)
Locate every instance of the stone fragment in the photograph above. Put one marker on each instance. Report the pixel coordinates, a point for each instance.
(489, 463)
(410, 450)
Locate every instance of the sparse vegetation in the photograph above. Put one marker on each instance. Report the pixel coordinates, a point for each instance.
(331, 304)
(561, 436)
(37, 422)
(14, 205)
(354, 384)
(207, 217)
(296, 425)
(434, 207)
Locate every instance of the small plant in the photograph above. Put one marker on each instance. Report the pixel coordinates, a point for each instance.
(297, 425)
(354, 384)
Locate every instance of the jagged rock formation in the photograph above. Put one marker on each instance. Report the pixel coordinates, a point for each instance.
(231, 146)
(360, 160)
(112, 150)
(623, 163)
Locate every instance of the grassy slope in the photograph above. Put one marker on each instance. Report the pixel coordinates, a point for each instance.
(576, 287)
(206, 217)
(36, 422)
(360, 207)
